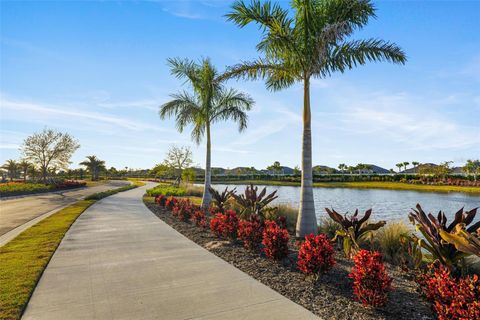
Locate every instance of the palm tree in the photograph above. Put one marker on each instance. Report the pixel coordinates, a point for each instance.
(309, 42)
(209, 102)
(415, 165)
(405, 164)
(94, 165)
(25, 166)
(11, 166)
(399, 166)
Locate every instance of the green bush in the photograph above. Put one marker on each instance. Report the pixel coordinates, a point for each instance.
(167, 191)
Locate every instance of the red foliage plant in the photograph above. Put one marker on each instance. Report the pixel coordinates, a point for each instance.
(184, 210)
(225, 224)
(316, 255)
(251, 232)
(160, 200)
(170, 202)
(275, 241)
(371, 282)
(451, 298)
(199, 218)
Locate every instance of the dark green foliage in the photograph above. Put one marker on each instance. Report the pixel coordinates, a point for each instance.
(253, 202)
(220, 199)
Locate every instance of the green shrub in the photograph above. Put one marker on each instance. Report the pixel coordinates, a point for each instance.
(167, 191)
(388, 241)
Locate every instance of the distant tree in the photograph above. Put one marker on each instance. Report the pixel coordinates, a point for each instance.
(25, 166)
(276, 168)
(48, 149)
(342, 167)
(178, 159)
(112, 172)
(351, 169)
(296, 170)
(399, 166)
(188, 175)
(443, 169)
(405, 164)
(94, 166)
(415, 166)
(208, 103)
(12, 167)
(472, 167)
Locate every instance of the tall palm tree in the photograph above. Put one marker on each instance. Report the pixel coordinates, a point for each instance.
(415, 165)
(311, 41)
(11, 166)
(94, 165)
(25, 166)
(399, 166)
(208, 102)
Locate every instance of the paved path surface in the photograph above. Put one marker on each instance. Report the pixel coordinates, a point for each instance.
(119, 261)
(17, 211)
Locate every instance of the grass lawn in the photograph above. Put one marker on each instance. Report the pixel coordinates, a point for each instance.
(364, 185)
(23, 259)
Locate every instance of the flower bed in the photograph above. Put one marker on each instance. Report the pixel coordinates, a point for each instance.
(330, 297)
(21, 188)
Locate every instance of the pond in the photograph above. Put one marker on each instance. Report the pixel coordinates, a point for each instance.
(386, 204)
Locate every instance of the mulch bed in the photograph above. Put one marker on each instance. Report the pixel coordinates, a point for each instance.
(329, 297)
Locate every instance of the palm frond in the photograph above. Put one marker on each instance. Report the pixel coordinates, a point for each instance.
(184, 107)
(359, 52)
(231, 104)
(264, 14)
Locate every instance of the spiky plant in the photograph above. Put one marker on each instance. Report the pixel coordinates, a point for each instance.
(311, 40)
(432, 227)
(220, 199)
(354, 229)
(253, 202)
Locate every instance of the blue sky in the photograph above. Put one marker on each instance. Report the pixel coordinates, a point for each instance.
(98, 71)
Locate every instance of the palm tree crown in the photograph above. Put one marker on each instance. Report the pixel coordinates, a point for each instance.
(312, 40)
(94, 165)
(209, 102)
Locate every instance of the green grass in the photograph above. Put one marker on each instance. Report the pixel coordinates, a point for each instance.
(365, 185)
(23, 259)
(104, 194)
(182, 191)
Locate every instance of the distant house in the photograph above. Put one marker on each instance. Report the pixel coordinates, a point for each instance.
(414, 170)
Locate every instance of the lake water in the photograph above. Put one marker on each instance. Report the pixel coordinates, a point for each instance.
(386, 204)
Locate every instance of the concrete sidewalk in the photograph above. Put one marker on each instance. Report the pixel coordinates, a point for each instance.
(119, 261)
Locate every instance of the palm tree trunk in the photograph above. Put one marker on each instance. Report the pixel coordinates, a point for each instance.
(306, 221)
(207, 197)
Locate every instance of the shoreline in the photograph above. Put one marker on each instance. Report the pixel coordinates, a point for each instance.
(362, 185)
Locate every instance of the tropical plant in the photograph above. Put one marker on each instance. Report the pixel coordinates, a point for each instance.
(316, 255)
(328, 227)
(49, 149)
(94, 165)
(251, 232)
(354, 229)
(275, 241)
(464, 241)
(220, 199)
(11, 166)
(450, 297)
(210, 102)
(225, 224)
(308, 41)
(200, 218)
(371, 282)
(431, 228)
(415, 165)
(253, 202)
(399, 166)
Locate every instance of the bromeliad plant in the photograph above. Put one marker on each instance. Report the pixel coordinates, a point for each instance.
(432, 228)
(353, 229)
(253, 202)
(220, 199)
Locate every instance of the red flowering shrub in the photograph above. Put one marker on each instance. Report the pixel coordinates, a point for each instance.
(281, 222)
(160, 200)
(251, 232)
(225, 225)
(199, 218)
(183, 210)
(451, 298)
(275, 241)
(170, 202)
(371, 282)
(316, 255)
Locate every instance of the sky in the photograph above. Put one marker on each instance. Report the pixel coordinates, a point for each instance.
(97, 69)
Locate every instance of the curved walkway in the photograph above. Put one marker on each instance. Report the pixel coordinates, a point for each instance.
(119, 261)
